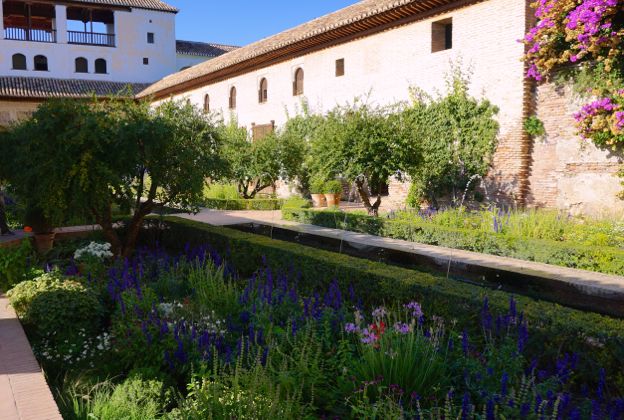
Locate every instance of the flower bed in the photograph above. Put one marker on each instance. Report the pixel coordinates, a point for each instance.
(605, 259)
(199, 333)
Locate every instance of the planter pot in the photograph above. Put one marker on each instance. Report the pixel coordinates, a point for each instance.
(333, 200)
(319, 200)
(44, 242)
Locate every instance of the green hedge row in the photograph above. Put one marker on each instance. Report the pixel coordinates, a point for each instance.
(242, 204)
(553, 327)
(601, 259)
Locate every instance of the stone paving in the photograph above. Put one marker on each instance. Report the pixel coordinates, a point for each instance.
(24, 393)
(589, 282)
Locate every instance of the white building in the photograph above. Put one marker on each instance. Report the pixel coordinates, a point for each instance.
(378, 49)
(77, 48)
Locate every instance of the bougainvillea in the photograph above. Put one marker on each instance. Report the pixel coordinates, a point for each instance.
(589, 33)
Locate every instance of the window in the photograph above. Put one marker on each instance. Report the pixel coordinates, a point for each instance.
(258, 132)
(442, 35)
(340, 69)
(100, 66)
(206, 104)
(41, 63)
(146, 61)
(233, 98)
(298, 82)
(19, 62)
(82, 65)
(263, 93)
(150, 37)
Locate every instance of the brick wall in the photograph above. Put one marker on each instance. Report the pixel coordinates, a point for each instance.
(567, 172)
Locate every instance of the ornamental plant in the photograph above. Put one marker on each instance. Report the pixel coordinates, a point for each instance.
(78, 157)
(589, 34)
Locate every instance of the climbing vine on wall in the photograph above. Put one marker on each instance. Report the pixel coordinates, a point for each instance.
(588, 34)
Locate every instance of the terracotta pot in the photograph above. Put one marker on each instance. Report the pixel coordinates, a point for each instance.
(44, 242)
(319, 200)
(333, 200)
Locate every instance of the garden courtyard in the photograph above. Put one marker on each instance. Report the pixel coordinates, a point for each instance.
(167, 264)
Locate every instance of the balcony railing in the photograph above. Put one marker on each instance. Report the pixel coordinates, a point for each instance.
(26, 34)
(90, 38)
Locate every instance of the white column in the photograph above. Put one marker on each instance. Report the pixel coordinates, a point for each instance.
(61, 23)
(1, 20)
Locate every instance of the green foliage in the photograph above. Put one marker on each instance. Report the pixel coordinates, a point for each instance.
(534, 127)
(534, 244)
(259, 164)
(317, 185)
(296, 202)
(51, 304)
(221, 192)
(77, 157)
(451, 139)
(213, 290)
(14, 264)
(332, 187)
(553, 324)
(134, 399)
(359, 142)
(243, 204)
(233, 391)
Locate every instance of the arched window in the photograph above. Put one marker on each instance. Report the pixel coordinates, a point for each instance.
(41, 63)
(100, 66)
(233, 98)
(263, 93)
(298, 83)
(206, 104)
(82, 65)
(19, 62)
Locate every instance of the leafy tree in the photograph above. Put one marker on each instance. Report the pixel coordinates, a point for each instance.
(78, 157)
(361, 143)
(257, 165)
(449, 139)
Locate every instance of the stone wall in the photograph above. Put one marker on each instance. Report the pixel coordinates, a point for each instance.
(567, 172)
(13, 111)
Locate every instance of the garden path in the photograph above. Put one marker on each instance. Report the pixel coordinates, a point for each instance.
(24, 393)
(591, 283)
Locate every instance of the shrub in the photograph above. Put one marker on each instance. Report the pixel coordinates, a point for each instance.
(221, 192)
(601, 336)
(134, 399)
(52, 304)
(243, 204)
(317, 186)
(603, 259)
(14, 265)
(332, 187)
(296, 202)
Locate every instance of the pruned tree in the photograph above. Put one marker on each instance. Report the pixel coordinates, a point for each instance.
(78, 157)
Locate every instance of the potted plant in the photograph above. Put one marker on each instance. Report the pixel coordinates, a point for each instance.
(41, 227)
(317, 191)
(333, 192)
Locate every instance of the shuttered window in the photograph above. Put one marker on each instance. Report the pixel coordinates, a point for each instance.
(298, 82)
(263, 92)
(206, 104)
(41, 63)
(100, 66)
(233, 98)
(340, 67)
(19, 62)
(260, 131)
(82, 65)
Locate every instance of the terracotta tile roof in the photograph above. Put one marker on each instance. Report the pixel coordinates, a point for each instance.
(140, 4)
(203, 49)
(358, 17)
(44, 88)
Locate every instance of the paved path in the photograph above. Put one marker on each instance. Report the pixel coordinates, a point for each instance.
(589, 282)
(24, 393)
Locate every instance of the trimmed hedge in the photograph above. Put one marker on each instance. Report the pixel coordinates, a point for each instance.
(607, 260)
(242, 204)
(553, 326)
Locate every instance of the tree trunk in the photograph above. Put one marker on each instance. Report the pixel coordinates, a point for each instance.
(372, 209)
(106, 223)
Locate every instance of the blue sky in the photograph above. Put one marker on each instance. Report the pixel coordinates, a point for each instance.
(240, 22)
